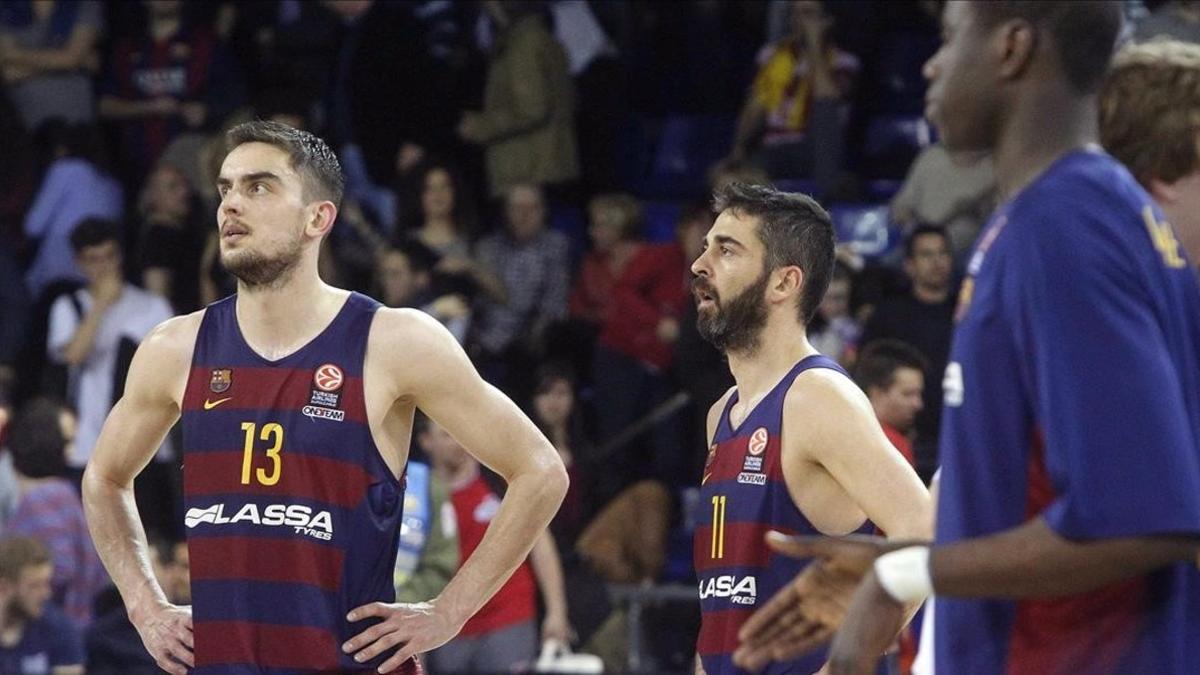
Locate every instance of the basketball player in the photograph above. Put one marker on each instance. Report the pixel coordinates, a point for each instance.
(297, 402)
(795, 446)
(1069, 506)
(1148, 111)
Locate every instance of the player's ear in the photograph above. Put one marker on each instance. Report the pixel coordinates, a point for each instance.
(320, 218)
(1163, 192)
(789, 280)
(1015, 42)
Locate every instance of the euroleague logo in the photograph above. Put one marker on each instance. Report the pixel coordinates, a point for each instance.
(758, 441)
(328, 377)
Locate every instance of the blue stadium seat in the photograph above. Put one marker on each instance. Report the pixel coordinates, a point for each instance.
(571, 221)
(660, 219)
(685, 146)
(865, 227)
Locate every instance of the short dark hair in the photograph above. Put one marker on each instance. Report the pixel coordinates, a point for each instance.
(1084, 31)
(922, 230)
(317, 165)
(793, 229)
(93, 232)
(879, 361)
(37, 442)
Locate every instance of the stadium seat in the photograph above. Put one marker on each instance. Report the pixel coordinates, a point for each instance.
(865, 227)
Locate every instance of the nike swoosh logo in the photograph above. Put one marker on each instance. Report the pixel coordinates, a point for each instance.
(705, 479)
(209, 405)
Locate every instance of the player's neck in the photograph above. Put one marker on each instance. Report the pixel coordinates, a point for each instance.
(279, 320)
(1028, 145)
(779, 348)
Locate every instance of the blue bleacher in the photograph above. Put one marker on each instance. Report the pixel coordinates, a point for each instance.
(866, 227)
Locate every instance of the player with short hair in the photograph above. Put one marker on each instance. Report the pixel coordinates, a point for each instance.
(795, 445)
(297, 401)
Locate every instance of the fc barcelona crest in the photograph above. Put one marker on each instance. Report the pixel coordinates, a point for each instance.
(222, 379)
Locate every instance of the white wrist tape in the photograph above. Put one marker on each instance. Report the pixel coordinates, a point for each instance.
(904, 574)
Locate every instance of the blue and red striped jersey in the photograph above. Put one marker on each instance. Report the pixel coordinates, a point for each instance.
(292, 514)
(742, 496)
(1073, 395)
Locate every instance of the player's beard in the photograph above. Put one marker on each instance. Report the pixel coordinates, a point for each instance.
(259, 271)
(735, 325)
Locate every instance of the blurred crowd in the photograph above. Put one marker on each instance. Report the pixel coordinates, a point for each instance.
(535, 175)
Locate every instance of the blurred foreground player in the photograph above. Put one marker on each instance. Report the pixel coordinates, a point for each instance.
(1070, 486)
(297, 402)
(795, 446)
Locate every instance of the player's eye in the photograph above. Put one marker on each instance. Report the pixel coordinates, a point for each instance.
(258, 188)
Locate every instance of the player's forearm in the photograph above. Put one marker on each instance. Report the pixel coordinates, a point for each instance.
(113, 522)
(1034, 561)
(528, 505)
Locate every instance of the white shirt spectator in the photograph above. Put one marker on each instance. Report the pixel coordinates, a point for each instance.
(131, 317)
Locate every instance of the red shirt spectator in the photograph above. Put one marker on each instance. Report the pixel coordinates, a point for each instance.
(475, 504)
(653, 288)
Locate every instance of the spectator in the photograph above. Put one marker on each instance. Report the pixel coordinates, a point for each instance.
(170, 76)
(797, 102)
(171, 238)
(75, 187)
(502, 635)
(94, 332)
(636, 346)
(428, 553)
(833, 330)
(444, 217)
(113, 644)
(893, 376)
(555, 412)
(35, 638)
(614, 226)
(527, 125)
(531, 263)
(923, 318)
(404, 275)
(440, 212)
(47, 58)
(1175, 19)
(48, 508)
(954, 192)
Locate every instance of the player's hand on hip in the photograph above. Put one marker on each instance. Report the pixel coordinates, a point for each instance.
(167, 634)
(870, 627)
(804, 614)
(414, 627)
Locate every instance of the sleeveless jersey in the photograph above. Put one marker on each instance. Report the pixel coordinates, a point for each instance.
(742, 496)
(292, 516)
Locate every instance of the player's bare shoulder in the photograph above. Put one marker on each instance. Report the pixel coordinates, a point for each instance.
(407, 344)
(164, 358)
(822, 401)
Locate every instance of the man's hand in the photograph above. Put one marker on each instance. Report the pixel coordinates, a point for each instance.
(806, 613)
(167, 634)
(869, 629)
(107, 290)
(416, 627)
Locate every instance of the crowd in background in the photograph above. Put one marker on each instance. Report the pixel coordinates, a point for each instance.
(535, 175)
